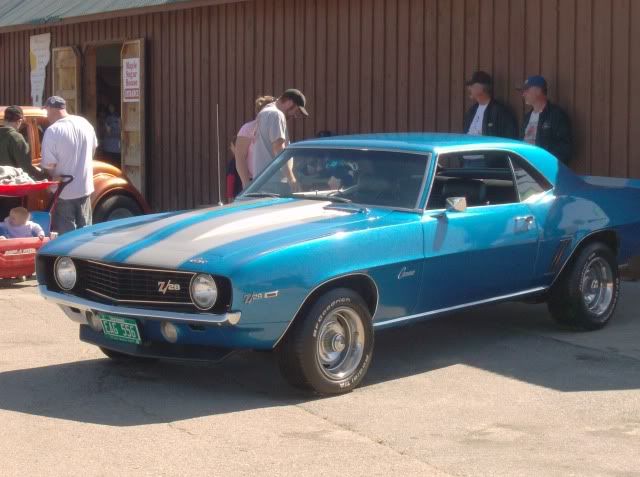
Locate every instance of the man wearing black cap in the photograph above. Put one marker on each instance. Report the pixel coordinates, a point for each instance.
(271, 131)
(14, 150)
(487, 117)
(546, 125)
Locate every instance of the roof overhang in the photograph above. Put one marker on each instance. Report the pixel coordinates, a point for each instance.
(56, 13)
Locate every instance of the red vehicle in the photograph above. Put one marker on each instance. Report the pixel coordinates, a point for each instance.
(114, 196)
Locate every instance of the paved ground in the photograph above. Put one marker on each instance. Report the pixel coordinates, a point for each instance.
(497, 391)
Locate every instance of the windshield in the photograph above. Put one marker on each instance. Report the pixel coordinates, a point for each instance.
(374, 178)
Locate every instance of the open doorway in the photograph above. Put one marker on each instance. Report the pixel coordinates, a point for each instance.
(107, 102)
(113, 100)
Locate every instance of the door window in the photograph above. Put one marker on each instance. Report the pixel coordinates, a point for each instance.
(483, 178)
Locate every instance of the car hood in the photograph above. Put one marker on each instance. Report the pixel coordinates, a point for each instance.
(245, 229)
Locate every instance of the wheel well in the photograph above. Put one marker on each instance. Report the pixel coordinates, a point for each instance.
(608, 237)
(360, 283)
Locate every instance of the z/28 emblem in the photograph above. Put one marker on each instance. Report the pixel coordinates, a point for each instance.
(251, 297)
(164, 287)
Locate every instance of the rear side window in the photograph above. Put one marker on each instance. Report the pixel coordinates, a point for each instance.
(529, 181)
(483, 178)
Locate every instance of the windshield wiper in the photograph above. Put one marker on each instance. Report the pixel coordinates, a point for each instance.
(331, 198)
(261, 194)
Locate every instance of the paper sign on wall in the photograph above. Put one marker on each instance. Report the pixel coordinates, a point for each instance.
(39, 56)
(131, 80)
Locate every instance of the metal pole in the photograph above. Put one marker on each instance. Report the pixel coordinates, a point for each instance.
(218, 155)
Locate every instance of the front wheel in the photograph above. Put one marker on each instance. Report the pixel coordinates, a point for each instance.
(329, 348)
(586, 293)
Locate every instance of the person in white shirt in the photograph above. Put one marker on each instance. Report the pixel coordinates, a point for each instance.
(243, 150)
(68, 147)
(272, 136)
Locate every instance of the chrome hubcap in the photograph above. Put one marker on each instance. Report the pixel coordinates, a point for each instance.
(597, 286)
(340, 343)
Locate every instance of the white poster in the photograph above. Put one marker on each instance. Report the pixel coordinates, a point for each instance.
(39, 56)
(131, 80)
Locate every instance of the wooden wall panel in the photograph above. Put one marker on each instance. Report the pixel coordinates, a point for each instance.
(633, 121)
(365, 65)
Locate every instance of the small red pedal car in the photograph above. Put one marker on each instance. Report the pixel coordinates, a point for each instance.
(18, 255)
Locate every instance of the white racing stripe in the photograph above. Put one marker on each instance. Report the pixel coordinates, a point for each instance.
(208, 235)
(102, 245)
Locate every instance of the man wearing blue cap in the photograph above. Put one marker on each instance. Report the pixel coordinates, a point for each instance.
(546, 125)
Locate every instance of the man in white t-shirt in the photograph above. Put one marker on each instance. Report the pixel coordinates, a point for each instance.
(475, 129)
(68, 147)
(271, 135)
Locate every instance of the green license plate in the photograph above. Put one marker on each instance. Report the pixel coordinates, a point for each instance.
(120, 329)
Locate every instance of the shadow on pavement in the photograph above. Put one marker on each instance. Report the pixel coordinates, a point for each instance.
(17, 283)
(512, 340)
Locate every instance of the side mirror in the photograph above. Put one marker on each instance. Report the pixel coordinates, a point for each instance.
(456, 204)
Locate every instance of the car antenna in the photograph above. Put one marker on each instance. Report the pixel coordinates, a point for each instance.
(218, 155)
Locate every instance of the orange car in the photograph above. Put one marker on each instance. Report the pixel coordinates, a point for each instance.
(114, 196)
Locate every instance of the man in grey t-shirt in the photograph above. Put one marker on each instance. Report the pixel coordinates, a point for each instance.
(271, 131)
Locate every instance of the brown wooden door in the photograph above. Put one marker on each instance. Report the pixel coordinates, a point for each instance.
(133, 112)
(66, 67)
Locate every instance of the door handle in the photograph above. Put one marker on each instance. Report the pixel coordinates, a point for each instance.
(525, 223)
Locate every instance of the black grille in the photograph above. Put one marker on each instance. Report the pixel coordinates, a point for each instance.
(134, 285)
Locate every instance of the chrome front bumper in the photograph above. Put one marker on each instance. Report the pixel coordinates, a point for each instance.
(78, 308)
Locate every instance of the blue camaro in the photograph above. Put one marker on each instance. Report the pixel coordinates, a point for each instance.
(340, 236)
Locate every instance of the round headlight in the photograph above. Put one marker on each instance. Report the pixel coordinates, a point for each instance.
(65, 273)
(204, 291)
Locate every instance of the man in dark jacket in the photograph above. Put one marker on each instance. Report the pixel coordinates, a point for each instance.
(14, 150)
(488, 117)
(546, 125)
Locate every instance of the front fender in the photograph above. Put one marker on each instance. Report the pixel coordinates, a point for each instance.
(272, 287)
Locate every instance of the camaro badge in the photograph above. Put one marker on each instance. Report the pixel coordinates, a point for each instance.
(164, 287)
(404, 273)
(251, 297)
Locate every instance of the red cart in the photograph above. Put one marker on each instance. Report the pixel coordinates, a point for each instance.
(17, 256)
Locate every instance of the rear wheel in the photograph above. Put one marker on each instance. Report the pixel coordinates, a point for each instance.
(586, 293)
(329, 349)
(116, 207)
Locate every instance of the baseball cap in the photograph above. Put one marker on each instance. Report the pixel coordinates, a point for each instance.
(56, 102)
(537, 81)
(298, 98)
(481, 77)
